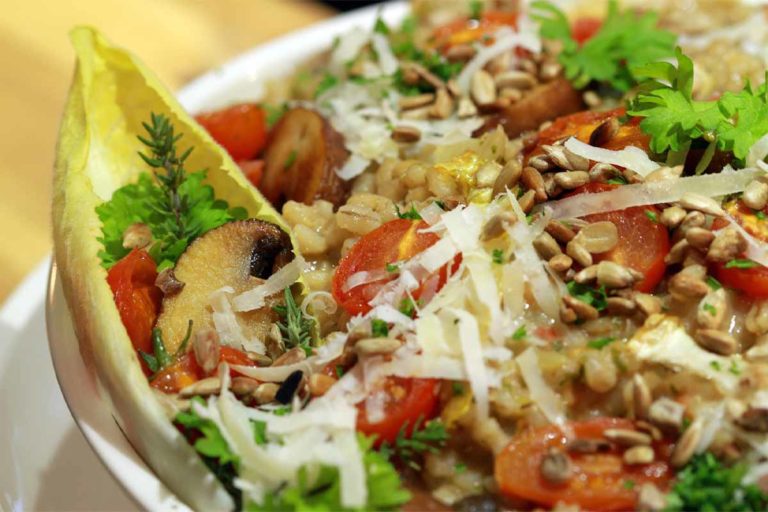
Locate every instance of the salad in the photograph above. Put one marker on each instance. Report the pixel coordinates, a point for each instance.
(489, 258)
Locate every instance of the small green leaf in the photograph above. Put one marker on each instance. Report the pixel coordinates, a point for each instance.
(600, 343)
(713, 283)
(411, 214)
(741, 263)
(652, 216)
(709, 308)
(379, 328)
(290, 160)
(520, 333)
(498, 256)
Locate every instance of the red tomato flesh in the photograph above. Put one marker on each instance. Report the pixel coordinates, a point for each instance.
(405, 401)
(253, 170)
(132, 280)
(241, 129)
(395, 241)
(643, 242)
(464, 30)
(753, 282)
(186, 371)
(599, 479)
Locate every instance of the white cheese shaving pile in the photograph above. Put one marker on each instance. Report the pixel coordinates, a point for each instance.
(226, 324)
(256, 297)
(542, 395)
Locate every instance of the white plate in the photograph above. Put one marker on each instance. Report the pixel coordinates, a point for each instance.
(46, 463)
(240, 79)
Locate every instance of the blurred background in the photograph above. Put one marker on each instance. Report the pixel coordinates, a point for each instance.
(178, 39)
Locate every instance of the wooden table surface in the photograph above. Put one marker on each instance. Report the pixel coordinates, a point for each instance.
(179, 39)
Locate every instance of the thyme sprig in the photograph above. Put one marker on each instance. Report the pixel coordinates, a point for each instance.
(296, 327)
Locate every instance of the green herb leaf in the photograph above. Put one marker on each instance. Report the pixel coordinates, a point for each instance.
(379, 328)
(600, 343)
(290, 160)
(498, 256)
(652, 216)
(713, 283)
(175, 205)
(431, 438)
(595, 297)
(274, 113)
(339, 371)
(380, 27)
(327, 82)
(715, 365)
(624, 41)
(211, 443)
(457, 388)
(460, 468)
(407, 307)
(628, 484)
(709, 308)
(475, 9)
(392, 267)
(520, 333)
(411, 214)
(706, 484)
(260, 432)
(741, 263)
(760, 215)
(295, 327)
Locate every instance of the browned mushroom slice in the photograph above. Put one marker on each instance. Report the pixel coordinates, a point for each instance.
(544, 102)
(302, 156)
(239, 255)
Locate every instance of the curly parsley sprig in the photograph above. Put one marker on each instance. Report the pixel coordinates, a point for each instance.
(674, 120)
(625, 40)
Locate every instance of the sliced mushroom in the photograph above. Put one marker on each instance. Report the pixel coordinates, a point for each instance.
(544, 102)
(239, 255)
(302, 156)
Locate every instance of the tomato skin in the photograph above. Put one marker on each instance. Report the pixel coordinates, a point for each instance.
(175, 377)
(643, 243)
(253, 170)
(464, 30)
(396, 240)
(241, 129)
(132, 280)
(598, 481)
(585, 28)
(407, 400)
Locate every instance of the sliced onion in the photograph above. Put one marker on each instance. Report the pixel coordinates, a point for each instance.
(431, 213)
(667, 191)
(387, 59)
(630, 157)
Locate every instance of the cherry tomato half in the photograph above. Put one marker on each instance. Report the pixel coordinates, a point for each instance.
(405, 401)
(599, 479)
(241, 129)
(395, 241)
(132, 280)
(464, 30)
(186, 370)
(753, 282)
(643, 241)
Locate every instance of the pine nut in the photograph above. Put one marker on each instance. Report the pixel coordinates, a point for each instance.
(376, 346)
(603, 172)
(560, 262)
(420, 100)
(515, 78)
(205, 387)
(672, 217)
(666, 412)
(532, 180)
(700, 238)
(711, 310)
(719, 342)
(443, 106)
(704, 204)
(540, 163)
(613, 275)
(466, 108)
(579, 253)
(206, 349)
(546, 246)
(527, 201)
(406, 134)
(755, 195)
(626, 437)
(639, 455)
(137, 236)
(483, 88)
(727, 245)
(560, 231)
(641, 396)
(686, 445)
(265, 393)
(571, 179)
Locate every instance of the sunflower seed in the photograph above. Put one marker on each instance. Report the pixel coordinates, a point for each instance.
(411, 102)
(483, 88)
(319, 384)
(466, 108)
(639, 455)
(376, 346)
(647, 304)
(243, 385)
(727, 245)
(604, 132)
(527, 201)
(205, 387)
(598, 237)
(556, 466)
(719, 342)
(603, 172)
(755, 195)
(540, 163)
(515, 78)
(265, 393)
(206, 349)
(137, 236)
(586, 275)
(583, 310)
(443, 106)
(460, 53)
(560, 262)
(641, 396)
(560, 231)
(406, 134)
(533, 181)
(508, 177)
(626, 437)
(666, 412)
(292, 356)
(572, 179)
(700, 238)
(579, 253)
(686, 445)
(613, 275)
(704, 204)
(665, 173)
(672, 217)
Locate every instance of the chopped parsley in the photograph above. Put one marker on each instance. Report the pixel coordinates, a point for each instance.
(430, 437)
(392, 267)
(652, 216)
(600, 343)
(411, 214)
(407, 307)
(707, 484)
(274, 113)
(498, 256)
(290, 160)
(624, 41)
(339, 371)
(460, 468)
(327, 82)
(760, 215)
(673, 119)
(709, 308)
(628, 484)
(475, 9)
(595, 297)
(379, 328)
(715, 365)
(741, 263)
(380, 27)
(713, 283)
(520, 333)
(457, 388)
(734, 368)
